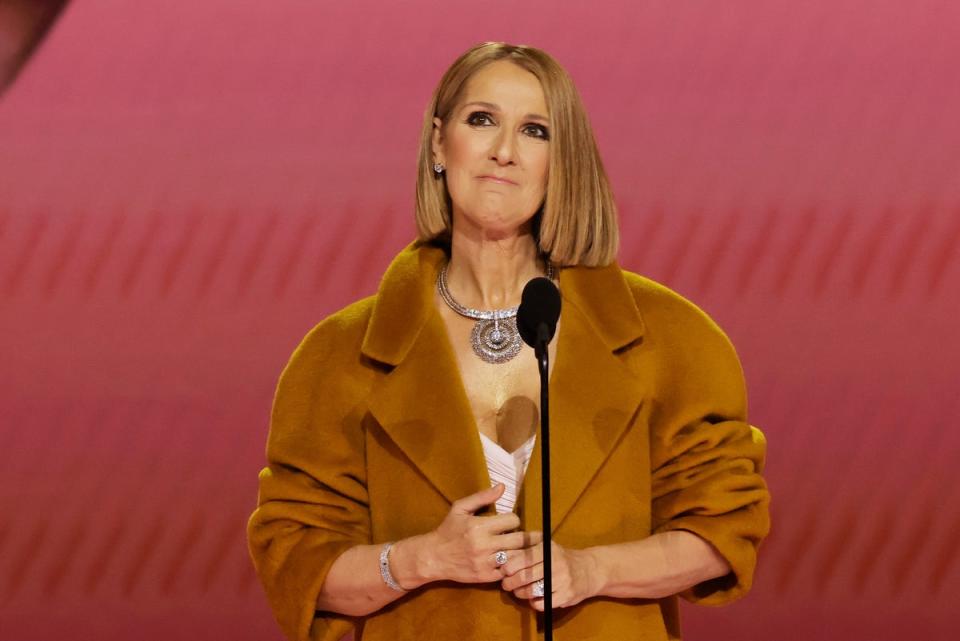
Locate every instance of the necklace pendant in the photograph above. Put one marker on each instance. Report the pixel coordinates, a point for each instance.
(496, 340)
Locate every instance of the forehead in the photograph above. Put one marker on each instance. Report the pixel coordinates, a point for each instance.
(506, 85)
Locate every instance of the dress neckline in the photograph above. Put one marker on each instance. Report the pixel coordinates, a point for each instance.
(524, 447)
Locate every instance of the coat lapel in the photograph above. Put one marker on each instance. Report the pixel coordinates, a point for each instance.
(593, 394)
(420, 401)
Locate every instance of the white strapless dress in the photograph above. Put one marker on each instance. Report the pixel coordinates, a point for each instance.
(507, 468)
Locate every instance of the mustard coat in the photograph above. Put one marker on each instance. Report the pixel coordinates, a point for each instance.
(372, 438)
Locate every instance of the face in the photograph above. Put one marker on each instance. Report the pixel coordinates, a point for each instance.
(495, 148)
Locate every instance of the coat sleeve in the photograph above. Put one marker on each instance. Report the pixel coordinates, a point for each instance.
(312, 503)
(706, 459)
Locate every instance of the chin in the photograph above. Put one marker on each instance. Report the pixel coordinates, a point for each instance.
(496, 226)
(500, 230)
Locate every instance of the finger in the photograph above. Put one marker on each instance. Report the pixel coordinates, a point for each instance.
(536, 550)
(557, 602)
(473, 502)
(518, 560)
(533, 538)
(500, 522)
(523, 580)
(527, 592)
(511, 541)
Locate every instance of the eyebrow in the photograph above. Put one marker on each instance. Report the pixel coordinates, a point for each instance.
(493, 107)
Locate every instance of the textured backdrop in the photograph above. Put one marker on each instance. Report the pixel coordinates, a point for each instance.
(187, 187)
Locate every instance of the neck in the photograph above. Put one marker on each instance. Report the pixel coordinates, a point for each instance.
(489, 270)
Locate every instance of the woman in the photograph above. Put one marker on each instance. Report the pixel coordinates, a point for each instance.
(377, 511)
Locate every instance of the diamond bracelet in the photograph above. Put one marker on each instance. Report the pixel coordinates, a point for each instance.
(385, 568)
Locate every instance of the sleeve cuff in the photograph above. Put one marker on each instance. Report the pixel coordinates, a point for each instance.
(739, 551)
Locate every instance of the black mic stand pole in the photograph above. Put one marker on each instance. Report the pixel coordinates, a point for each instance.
(542, 353)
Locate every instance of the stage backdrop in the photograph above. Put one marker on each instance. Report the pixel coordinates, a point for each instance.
(186, 188)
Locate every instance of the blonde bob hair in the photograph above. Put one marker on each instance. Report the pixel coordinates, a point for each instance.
(577, 223)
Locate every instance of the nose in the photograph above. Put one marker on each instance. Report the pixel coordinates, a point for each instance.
(504, 149)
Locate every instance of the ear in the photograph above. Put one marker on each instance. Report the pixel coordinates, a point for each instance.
(437, 142)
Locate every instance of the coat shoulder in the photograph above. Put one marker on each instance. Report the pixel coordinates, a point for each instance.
(684, 336)
(329, 355)
(666, 312)
(341, 331)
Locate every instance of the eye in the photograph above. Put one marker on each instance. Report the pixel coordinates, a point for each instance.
(537, 131)
(479, 119)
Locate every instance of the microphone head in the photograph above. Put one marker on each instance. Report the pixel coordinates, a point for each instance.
(539, 308)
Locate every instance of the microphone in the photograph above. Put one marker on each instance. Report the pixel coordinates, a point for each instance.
(537, 319)
(538, 313)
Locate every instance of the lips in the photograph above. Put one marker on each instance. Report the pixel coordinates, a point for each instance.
(497, 179)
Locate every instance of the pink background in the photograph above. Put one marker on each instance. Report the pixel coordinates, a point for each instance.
(187, 187)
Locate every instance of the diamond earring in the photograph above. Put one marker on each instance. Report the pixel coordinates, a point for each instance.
(438, 168)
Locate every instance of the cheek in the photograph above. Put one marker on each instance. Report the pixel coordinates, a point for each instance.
(462, 149)
(543, 173)
(461, 160)
(457, 186)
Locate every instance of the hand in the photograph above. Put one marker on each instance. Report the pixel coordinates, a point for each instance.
(464, 545)
(574, 575)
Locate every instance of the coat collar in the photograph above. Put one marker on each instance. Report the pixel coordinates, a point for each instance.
(405, 300)
(421, 404)
(403, 303)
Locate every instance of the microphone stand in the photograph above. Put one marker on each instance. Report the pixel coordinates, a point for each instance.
(537, 319)
(542, 353)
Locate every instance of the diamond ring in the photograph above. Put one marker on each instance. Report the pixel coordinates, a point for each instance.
(500, 557)
(538, 588)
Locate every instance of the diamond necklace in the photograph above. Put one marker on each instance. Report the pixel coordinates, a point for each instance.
(495, 338)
